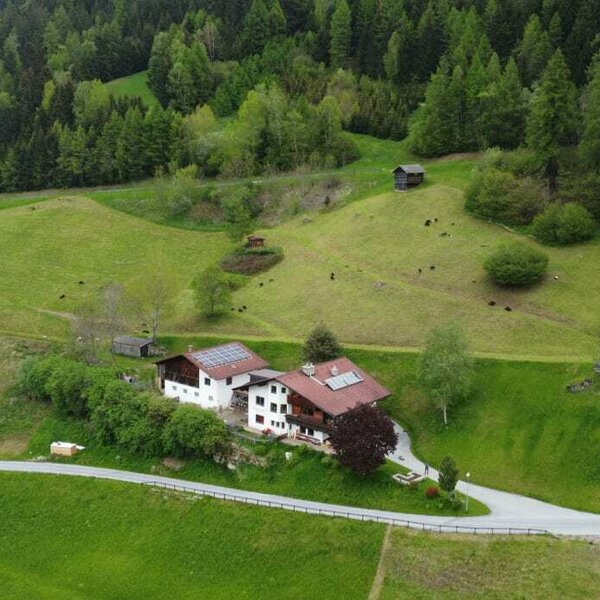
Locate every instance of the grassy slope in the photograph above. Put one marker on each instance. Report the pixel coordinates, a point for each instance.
(47, 251)
(133, 85)
(452, 567)
(74, 539)
(380, 238)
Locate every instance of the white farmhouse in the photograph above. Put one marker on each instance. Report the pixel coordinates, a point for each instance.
(304, 404)
(208, 377)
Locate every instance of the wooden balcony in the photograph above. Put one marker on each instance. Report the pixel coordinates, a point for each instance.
(306, 421)
(179, 378)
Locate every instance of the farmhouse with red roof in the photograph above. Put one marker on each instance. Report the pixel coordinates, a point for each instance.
(208, 377)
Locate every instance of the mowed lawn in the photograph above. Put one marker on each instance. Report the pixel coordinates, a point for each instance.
(423, 566)
(67, 538)
(48, 248)
(133, 85)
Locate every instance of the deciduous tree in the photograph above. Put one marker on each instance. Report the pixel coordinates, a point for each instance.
(362, 438)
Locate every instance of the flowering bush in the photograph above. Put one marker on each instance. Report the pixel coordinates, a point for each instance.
(432, 492)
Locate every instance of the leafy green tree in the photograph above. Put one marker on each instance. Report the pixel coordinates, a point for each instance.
(192, 431)
(212, 292)
(516, 264)
(589, 147)
(448, 475)
(552, 120)
(321, 345)
(446, 368)
(340, 35)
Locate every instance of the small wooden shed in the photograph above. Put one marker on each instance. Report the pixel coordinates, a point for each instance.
(255, 241)
(132, 346)
(407, 176)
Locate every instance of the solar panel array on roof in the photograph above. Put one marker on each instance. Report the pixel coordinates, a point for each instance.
(339, 382)
(223, 355)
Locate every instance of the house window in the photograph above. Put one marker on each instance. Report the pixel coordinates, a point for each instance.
(311, 432)
(260, 401)
(228, 381)
(196, 394)
(273, 407)
(284, 390)
(210, 398)
(273, 389)
(303, 430)
(185, 391)
(174, 388)
(260, 419)
(283, 408)
(207, 381)
(273, 424)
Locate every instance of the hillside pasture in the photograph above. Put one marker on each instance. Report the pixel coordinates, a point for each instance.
(133, 85)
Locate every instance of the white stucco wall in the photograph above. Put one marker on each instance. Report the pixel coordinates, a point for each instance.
(273, 393)
(215, 394)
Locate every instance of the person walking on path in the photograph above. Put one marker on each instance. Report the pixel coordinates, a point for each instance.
(426, 469)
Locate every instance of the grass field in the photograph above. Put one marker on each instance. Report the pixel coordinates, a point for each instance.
(375, 237)
(133, 85)
(427, 566)
(74, 539)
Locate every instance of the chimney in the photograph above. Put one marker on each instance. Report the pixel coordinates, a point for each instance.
(308, 369)
(335, 371)
(190, 348)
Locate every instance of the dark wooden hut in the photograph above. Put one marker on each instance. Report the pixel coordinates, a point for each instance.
(407, 176)
(255, 241)
(132, 346)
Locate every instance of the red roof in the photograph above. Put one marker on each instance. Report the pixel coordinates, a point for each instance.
(335, 401)
(239, 360)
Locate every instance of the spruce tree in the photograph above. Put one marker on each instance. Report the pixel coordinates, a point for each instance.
(340, 35)
(321, 345)
(256, 30)
(589, 148)
(552, 120)
(534, 51)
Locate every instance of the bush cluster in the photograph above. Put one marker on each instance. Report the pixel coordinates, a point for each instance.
(516, 264)
(140, 422)
(500, 196)
(563, 224)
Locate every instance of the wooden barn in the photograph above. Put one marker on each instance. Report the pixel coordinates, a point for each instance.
(255, 241)
(132, 346)
(407, 176)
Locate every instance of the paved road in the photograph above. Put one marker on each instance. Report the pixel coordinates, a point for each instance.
(508, 510)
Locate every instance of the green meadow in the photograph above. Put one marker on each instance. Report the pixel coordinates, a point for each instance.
(133, 85)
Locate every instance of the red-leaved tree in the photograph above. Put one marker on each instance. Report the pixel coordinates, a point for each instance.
(362, 438)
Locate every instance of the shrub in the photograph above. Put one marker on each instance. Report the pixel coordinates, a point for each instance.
(564, 224)
(502, 197)
(193, 431)
(432, 492)
(516, 264)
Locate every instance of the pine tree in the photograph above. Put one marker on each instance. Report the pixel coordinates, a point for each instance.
(534, 51)
(256, 30)
(340, 35)
(277, 20)
(552, 120)
(589, 148)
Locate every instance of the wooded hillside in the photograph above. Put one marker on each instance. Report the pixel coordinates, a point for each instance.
(293, 74)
